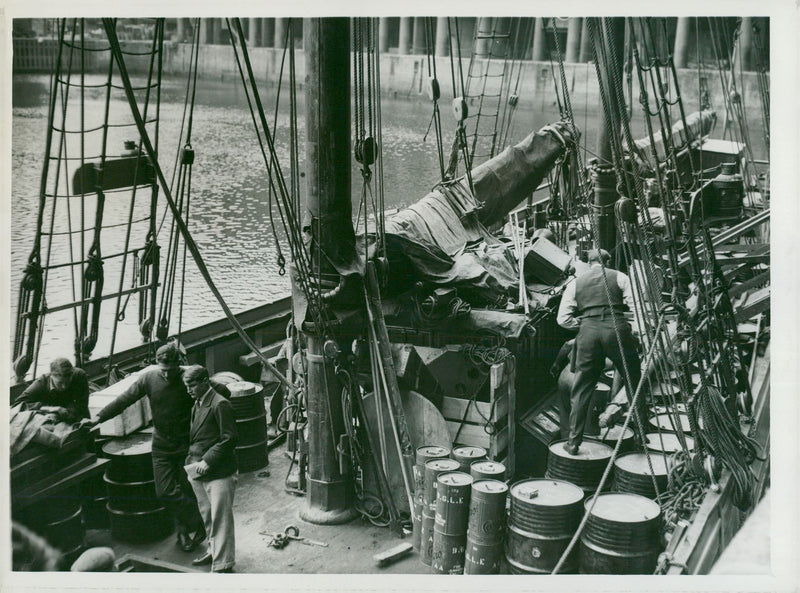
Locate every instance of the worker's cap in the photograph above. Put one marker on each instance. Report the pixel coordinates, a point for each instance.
(598, 255)
(195, 374)
(168, 353)
(62, 367)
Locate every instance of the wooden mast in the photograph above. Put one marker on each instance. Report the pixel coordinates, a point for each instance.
(328, 150)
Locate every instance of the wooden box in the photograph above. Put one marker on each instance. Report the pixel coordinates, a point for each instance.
(488, 424)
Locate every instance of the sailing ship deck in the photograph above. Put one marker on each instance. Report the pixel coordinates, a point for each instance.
(263, 507)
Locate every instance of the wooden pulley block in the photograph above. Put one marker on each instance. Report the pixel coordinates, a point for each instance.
(366, 150)
(433, 89)
(626, 210)
(460, 109)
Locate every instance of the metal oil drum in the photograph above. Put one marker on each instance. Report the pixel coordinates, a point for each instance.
(140, 526)
(584, 469)
(680, 408)
(447, 552)
(247, 399)
(131, 458)
(453, 491)
(610, 436)
(426, 535)
(252, 457)
(131, 496)
(433, 468)
(621, 536)
(423, 455)
(543, 517)
(486, 527)
(66, 533)
(466, 455)
(671, 422)
(664, 392)
(632, 473)
(666, 442)
(450, 522)
(487, 470)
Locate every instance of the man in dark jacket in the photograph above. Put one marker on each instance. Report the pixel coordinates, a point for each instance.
(211, 465)
(65, 390)
(171, 407)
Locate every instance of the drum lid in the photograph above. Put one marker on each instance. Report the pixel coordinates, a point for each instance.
(624, 507)
(547, 492)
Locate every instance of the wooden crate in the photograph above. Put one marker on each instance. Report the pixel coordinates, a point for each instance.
(467, 419)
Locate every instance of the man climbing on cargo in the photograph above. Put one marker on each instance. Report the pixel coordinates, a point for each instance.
(63, 391)
(171, 407)
(594, 304)
(211, 465)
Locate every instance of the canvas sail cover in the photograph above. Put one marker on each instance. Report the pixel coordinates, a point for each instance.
(443, 238)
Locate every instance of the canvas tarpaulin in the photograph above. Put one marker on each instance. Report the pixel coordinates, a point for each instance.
(443, 238)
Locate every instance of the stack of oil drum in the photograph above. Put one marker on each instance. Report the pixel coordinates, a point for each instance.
(622, 535)
(251, 424)
(424, 455)
(544, 516)
(135, 514)
(433, 468)
(486, 527)
(450, 522)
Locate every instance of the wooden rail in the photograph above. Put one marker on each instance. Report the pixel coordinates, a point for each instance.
(717, 520)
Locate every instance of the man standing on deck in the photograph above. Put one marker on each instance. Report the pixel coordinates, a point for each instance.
(212, 467)
(171, 406)
(591, 304)
(65, 391)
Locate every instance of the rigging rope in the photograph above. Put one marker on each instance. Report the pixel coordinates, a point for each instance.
(192, 246)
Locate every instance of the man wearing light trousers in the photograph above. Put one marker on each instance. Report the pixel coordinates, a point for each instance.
(211, 466)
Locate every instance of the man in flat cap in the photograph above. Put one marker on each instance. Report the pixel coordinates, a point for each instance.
(171, 406)
(595, 304)
(212, 464)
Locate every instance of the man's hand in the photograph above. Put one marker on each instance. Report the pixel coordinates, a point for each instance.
(58, 410)
(202, 467)
(90, 423)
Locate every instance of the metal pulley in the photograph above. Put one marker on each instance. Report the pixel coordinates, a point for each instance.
(365, 151)
(460, 109)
